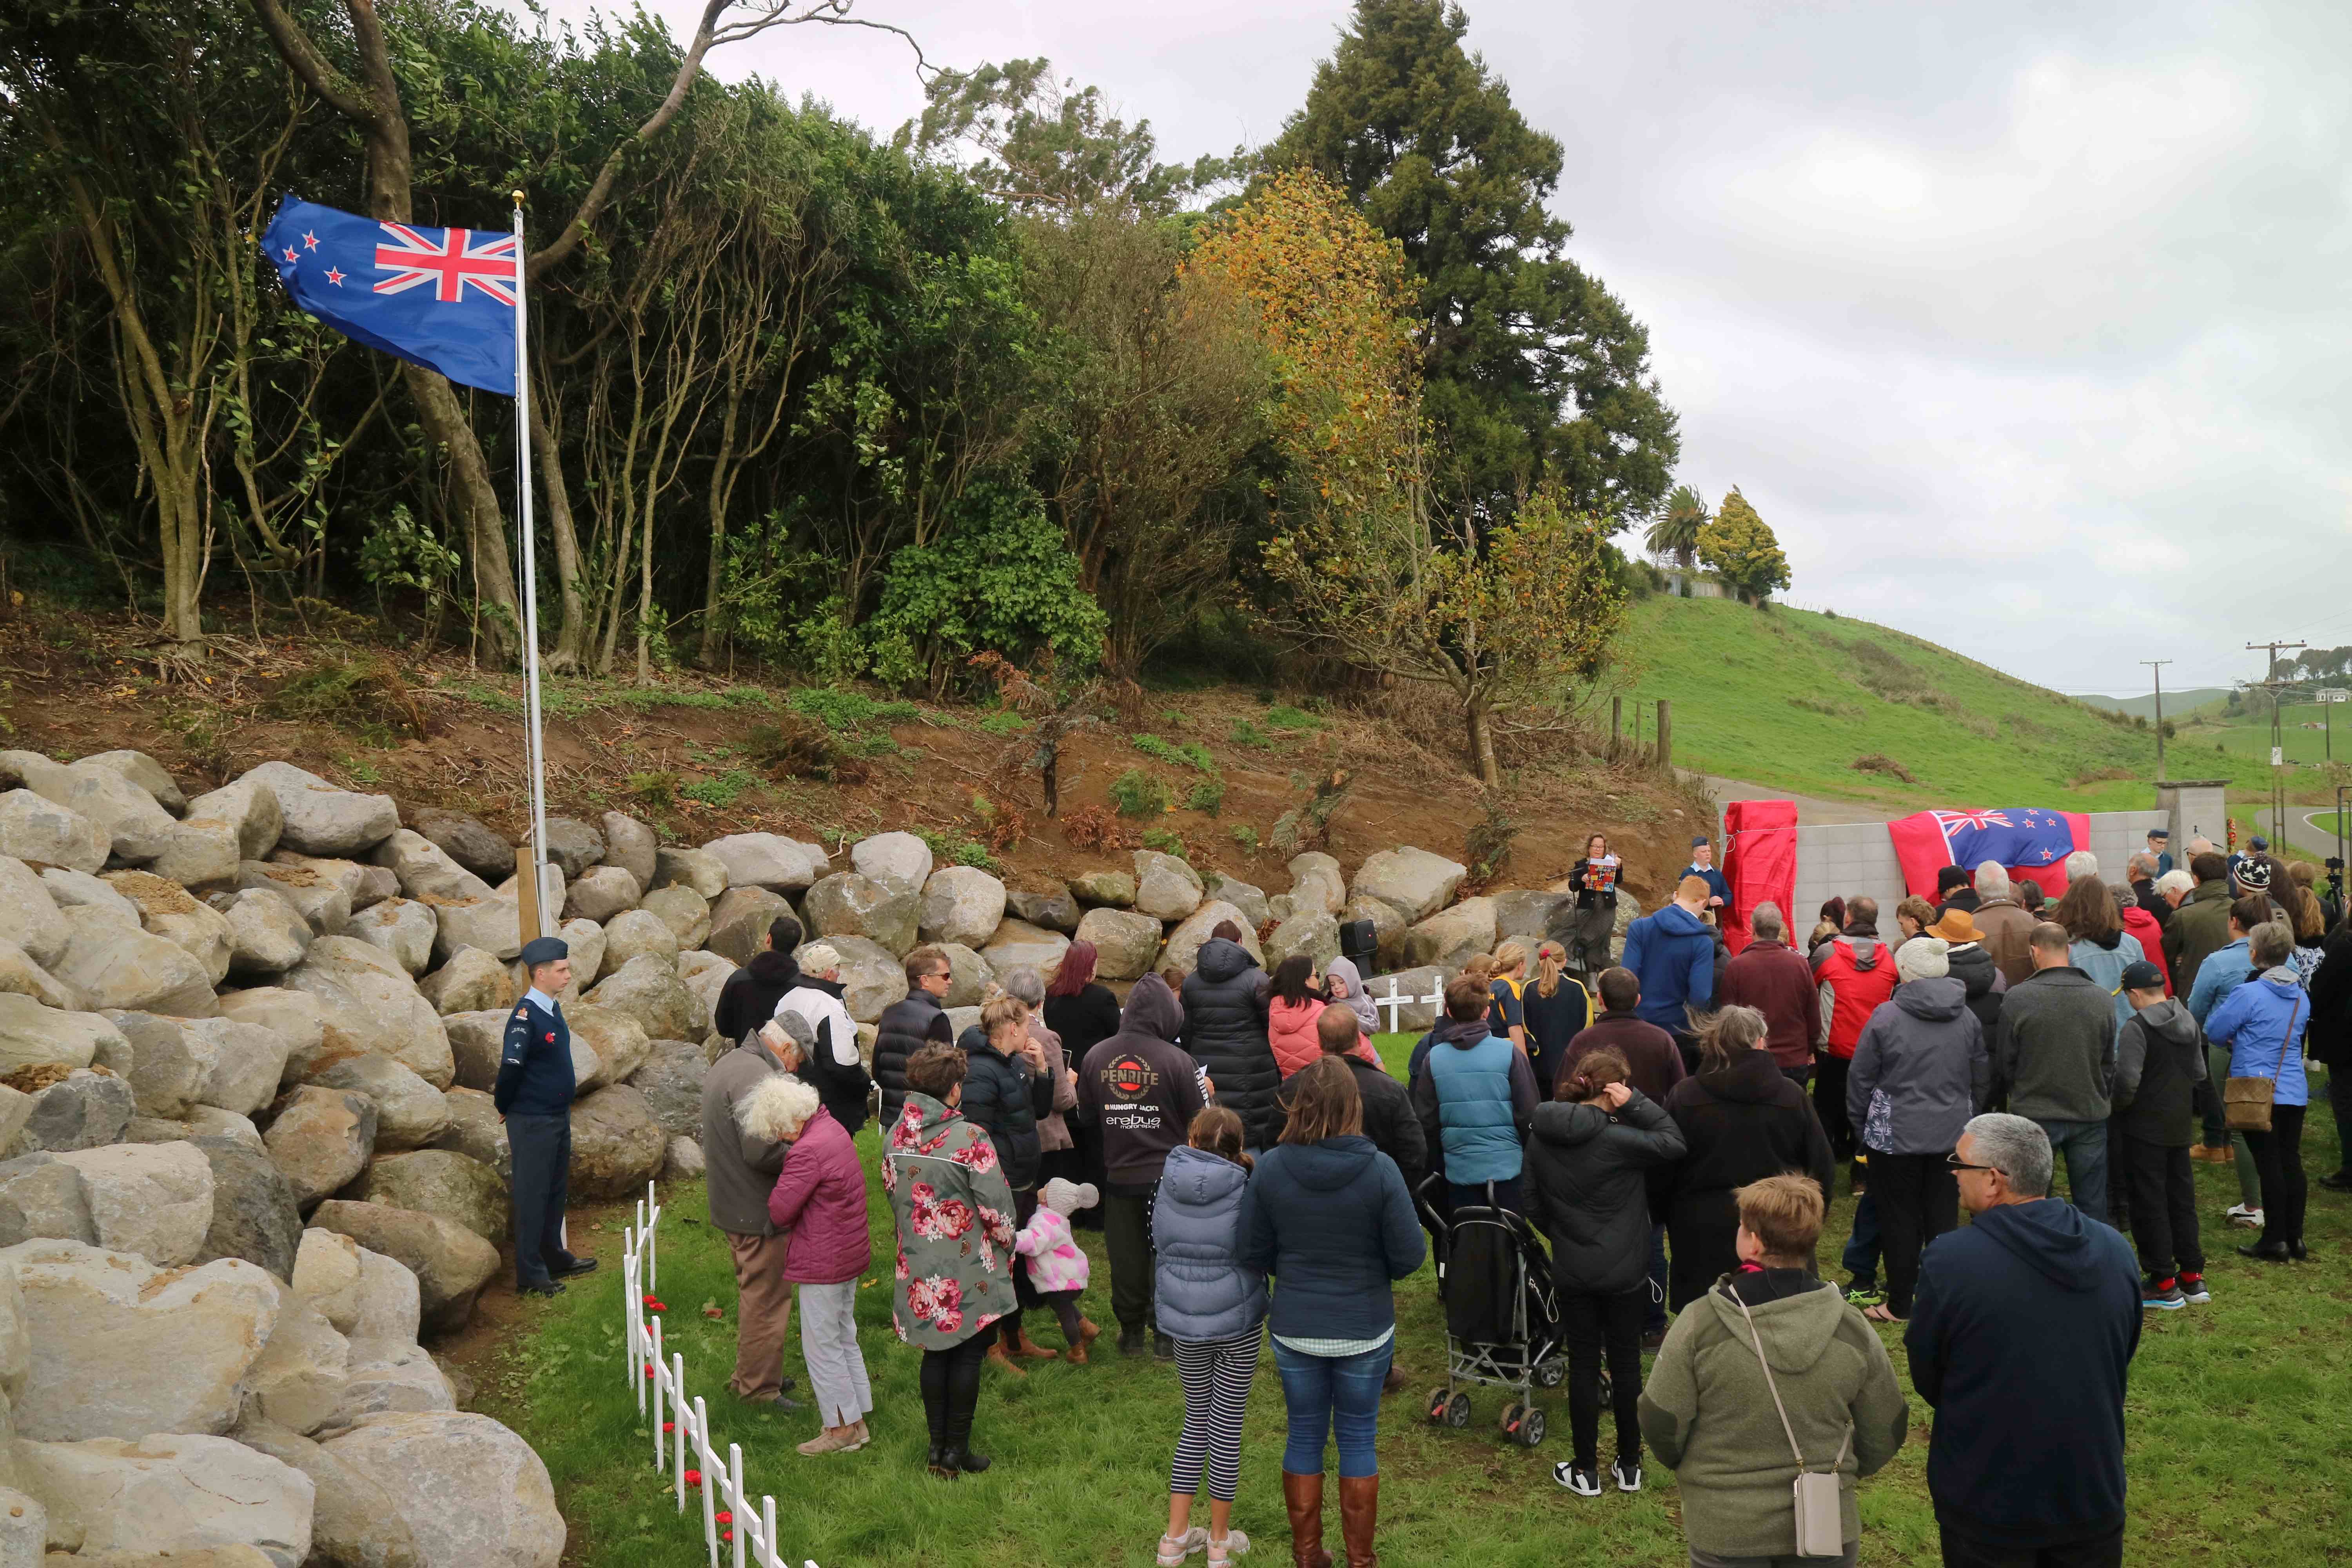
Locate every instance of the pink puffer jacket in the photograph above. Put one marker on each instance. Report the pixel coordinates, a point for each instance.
(820, 1197)
(1290, 1028)
(1056, 1262)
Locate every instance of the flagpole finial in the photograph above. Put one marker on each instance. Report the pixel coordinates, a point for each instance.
(518, 197)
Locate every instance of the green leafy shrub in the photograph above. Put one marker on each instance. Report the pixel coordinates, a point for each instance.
(1207, 795)
(1245, 733)
(1246, 836)
(1138, 794)
(796, 746)
(1165, 842)
(1004, 724)
(845, 711)
(1282, 716)
(722, 791)
(658, 790)
(365, 698)
(1002, 578)
(1191, 754)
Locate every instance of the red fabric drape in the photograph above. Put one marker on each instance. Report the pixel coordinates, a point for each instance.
(1760, 862)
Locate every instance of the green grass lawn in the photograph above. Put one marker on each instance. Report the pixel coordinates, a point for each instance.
(1793, 699)
(2240, 1432)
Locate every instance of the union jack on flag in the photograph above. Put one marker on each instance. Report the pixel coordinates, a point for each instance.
(442, 298)
(2026, 840)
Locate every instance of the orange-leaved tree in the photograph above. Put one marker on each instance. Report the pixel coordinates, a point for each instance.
(1365, 563)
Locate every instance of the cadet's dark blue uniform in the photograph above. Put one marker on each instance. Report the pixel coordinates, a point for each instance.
(534, 1094)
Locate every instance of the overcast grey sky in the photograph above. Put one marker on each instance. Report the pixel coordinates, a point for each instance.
(2023, 323)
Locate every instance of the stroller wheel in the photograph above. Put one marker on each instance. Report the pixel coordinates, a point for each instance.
(1551, 1373)
(1531, 1428)
(1437, 1399)
(1457, 1410)
(1510, 1422)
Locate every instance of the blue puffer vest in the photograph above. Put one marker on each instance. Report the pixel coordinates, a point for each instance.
(1474, 1109)
(1204, 1292)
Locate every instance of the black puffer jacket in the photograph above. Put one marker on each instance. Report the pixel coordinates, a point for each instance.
(1588, 1188)
(1224, 1028)
(1006, 1096)
(1973, 967)
(905, 1026)
(750, 997)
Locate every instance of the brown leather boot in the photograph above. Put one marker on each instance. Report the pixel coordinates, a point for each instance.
(1359, 1513)
(1302, 1496)
(996, 1357)
(1030, 1350)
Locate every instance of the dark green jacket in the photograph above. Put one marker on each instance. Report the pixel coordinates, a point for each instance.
(2199, 929)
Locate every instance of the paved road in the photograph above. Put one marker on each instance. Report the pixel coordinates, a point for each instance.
(1812, 811)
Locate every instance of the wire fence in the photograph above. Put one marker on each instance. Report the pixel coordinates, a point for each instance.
(683, 1447)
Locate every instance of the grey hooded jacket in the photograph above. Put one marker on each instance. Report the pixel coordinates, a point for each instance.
(1920, 1069)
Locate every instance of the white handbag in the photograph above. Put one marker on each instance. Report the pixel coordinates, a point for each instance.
(1821, 1527)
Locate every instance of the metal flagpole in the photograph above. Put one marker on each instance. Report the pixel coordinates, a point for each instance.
(533, 750)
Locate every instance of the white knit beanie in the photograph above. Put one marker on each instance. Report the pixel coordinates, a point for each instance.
(1922, 958)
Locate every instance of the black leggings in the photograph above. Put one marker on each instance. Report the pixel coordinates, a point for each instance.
(1024, 1294)
(2278, 1160)
(1590, 1322)
(952, 1388)
(1918, 1200)
(1829, 1104)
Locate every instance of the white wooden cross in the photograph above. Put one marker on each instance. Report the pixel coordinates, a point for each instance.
(1396, 1004)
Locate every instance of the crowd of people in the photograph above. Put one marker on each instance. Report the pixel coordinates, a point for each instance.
(1674, 1122)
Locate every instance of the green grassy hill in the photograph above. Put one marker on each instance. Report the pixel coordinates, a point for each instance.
(1791, 699)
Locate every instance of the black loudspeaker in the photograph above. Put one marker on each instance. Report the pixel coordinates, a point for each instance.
(1359, 945)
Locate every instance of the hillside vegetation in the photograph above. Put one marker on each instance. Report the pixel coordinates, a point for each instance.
(1797, 700)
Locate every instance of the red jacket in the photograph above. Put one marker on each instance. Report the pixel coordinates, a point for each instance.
(2139, 922)
(820, 1198)
(1774, 978)
(1855, 973)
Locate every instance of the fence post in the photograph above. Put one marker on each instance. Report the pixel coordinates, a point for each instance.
(685, 1427)
(735, 1503)
(660, 1368)
(1616, 726)
(1665, 737)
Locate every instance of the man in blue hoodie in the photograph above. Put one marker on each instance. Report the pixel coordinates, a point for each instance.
(2021, 1337)
(1673, 952)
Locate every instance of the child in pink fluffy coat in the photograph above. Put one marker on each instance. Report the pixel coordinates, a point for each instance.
(1057, 1265)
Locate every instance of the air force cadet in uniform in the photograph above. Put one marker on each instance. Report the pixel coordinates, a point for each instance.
(534, 1098)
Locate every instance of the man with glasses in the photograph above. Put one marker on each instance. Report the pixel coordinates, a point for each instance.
(2021, 1336)
(918, 1019)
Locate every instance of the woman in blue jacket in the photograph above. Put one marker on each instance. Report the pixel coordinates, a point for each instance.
(2262, 1025)
(1328, 1216)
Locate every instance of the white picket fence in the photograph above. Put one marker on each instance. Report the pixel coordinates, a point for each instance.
(681, 1427)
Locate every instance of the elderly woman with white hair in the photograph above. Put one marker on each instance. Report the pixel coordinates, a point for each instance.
(1920, 1070)
(819, 1200)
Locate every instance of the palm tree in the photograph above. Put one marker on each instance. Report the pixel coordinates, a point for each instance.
(1676, 532)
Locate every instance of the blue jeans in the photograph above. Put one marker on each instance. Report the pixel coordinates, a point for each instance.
(2084, 1145)
(1861, 1256)
(1328, 1394)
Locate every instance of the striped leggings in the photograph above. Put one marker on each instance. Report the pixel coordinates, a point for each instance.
(1216, 1376)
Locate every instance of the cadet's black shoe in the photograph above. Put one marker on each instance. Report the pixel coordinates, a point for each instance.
(545, 1287)
(577, 1266)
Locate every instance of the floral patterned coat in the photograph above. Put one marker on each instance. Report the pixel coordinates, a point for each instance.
(954, 1214)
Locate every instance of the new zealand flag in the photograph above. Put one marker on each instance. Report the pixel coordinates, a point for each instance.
(441, 297)
(2030, 842)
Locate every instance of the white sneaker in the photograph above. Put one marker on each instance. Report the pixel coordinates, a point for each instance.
(1174, 1549)
(2245, 1218)
(1577, 1478)
(1628, 1478)
(1223, 1551)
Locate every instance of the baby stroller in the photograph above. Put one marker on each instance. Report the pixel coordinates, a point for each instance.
(1502, 1314)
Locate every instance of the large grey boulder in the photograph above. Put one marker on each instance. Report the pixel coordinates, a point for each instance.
(154, 1200)
(327, 1276)
(437, 1182)
(165, 909)
(648, 990)
(388, 1376)
(29, 917)
(450, 1262)
(244, 1063)
(476, 1040)
(1311, 932)
(687, 911)
(573, 845)
(1017, 942)
(426, 869)
(961, 903)
(1416, 882)
(134, 970)
(320, 1139)
(32, 1034)
(1451, 935)
(201, 856)
(16, 1110)
(146, 773)
(631, 845)
(167, 1073)
(1183, 948)
(494, 924)
(166, 1498)
(1520, 913)
(469, 982)
(872, 977)
(1316, 883)
(294, 1015)
(739, 921)
(619, 1040)
(465, 841)
(20, 976)
(637, 933)
(616, 1144)
(850, 903)
(254, 1217)
(599, 893)
(473, 1493)
(72, 890)
(134, 825)
(1425, 984)
(84, 1110)
(246, 808)
(671, 1082)
(402, 927)
(1247, 897)
(353, 1521)
(212, 1121)
(299, 1379)
(767, 860)
(41, 1195)
(705, 974)
(1047, 904)
(969, 975)
(1166, 888)
(700, 870)
(475, 1129)
(267, 934)
(368, 1004)
(127, 1347)
(1115, 889)
(409, 1110)
(1125, 942)
(319, 818)
(362, 882)
(323, 900)
(900, 859)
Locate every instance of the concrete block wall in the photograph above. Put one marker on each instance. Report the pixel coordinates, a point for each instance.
(1839, 861)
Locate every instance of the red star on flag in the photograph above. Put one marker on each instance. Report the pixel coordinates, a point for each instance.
(334, 276)
(292, 254)
(310, 241)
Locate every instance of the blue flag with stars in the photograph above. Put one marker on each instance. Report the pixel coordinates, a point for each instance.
(441, 297)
